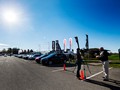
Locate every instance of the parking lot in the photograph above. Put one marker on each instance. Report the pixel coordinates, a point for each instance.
(20, 74)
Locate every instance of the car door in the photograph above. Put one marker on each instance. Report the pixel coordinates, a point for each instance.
(59, 58)
(63, 58)
(56, 58)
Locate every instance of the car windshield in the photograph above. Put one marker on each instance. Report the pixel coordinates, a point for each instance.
(43, 55)
(52, 54)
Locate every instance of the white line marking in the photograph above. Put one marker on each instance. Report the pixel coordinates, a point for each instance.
(96, 74)
(57, 70)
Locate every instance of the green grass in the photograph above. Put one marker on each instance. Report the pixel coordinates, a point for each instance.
(114, 57)
(113, 63)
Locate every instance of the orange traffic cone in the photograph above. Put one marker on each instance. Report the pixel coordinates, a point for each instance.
(82, 75)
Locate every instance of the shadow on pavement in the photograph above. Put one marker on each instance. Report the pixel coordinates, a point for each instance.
(61, 65)
(114, 81)
(112, 87)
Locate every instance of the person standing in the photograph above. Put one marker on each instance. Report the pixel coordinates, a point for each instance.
(78, 63)
(105, 63)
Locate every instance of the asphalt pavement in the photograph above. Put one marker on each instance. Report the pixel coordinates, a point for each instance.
(20, 74)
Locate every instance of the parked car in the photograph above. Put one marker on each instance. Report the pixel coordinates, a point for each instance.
(5, 55)
(33, 56)
(38, 59)
(20, 55)
(26, 56)
(54, 58)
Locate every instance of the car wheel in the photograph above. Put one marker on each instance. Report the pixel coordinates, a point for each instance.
(42, 62)
(49, 62)
(38, 62)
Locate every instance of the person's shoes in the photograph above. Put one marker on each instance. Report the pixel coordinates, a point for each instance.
(79, 78)
(105, 79)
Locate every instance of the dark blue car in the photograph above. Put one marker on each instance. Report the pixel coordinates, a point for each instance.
(54, 59)
(38, 59)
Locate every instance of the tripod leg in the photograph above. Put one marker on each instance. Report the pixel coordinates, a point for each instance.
(87, 66)
(84, 72)
(74, 69)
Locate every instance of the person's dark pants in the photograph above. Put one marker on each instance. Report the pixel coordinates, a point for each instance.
(78, 70)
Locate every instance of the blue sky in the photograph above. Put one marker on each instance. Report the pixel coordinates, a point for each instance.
(41, 21)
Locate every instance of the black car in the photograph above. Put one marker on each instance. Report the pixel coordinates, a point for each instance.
(54, 59)
(38, 59)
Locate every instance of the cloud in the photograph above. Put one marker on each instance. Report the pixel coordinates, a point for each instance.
(3, 45)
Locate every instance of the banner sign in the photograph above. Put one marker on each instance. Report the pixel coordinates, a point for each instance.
(53, 45)
(64, 42)
(70, 41)
(87, 43)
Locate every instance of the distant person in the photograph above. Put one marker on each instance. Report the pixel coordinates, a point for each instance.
(105, 63)
(78, 63)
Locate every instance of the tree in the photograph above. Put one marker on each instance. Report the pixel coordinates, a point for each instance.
(31, 51)
(25, 51)
(4, 51)
(15, 50)
(28, 51)
(9, 51)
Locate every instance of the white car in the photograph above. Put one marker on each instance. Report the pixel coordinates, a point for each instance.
(5, 55)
